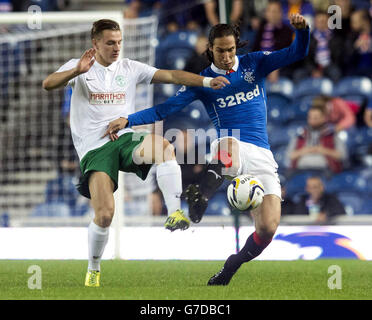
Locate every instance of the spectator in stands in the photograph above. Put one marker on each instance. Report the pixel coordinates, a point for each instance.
(358, 46)
(368, 116)
(211, 11)
(198, 61)
(182, 15)
(339, 112)
(137, 8)
(325, 51)
(321, 5)
(303, 7)
(322, 206)
(273, 34)
(318, 147)
(346, 10)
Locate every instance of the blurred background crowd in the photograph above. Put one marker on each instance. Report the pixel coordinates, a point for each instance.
(319, 109)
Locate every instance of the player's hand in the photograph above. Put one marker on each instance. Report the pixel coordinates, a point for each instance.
(297, 21)
(114, 127)
(219, 82)
(86, 61)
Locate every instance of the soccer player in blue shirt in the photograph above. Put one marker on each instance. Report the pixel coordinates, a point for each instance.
(238, 112)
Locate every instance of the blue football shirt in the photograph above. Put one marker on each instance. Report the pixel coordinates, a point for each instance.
(240, 108)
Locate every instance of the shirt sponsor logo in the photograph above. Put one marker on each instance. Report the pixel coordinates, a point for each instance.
(238, 98)
(107, 98)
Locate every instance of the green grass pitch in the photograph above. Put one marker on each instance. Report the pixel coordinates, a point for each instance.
(186, 280)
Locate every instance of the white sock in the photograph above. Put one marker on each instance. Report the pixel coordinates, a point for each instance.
(97, 240)
(169, 179)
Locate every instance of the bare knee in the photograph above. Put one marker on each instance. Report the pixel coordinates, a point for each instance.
(103, 216)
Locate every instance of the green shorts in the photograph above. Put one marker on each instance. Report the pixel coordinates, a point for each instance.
(110, 158)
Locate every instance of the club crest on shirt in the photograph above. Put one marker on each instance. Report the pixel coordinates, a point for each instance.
(120, 81)
(248, 76)
(182, 89)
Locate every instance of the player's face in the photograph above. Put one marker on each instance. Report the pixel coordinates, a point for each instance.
(108, 47)
(224, 50)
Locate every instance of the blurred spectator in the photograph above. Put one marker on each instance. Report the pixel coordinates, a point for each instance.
(325, 51)
(273, 34)
(317, 147)
(321, 5)
(212, 11)
(346, 10)
(287, 205)
(198, 61)
(302, 7)
(339, 111)
(358, 46)
(6, 6)
(317, 203)
(45, 5)
(368, 116)
(182, 15)
(138, 8)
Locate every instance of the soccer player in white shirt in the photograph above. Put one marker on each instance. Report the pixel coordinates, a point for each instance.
(104, 90)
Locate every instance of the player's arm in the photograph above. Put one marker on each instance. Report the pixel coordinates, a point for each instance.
(188, 79)
(296, 51)
(156, 113)
(60, 79)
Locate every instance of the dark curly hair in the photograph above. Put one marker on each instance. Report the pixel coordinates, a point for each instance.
(224, 30)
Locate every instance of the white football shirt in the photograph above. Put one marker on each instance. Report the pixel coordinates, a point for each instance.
(101, 95)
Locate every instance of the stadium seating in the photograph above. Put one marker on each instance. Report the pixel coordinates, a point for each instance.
(352, 202)
(218, 205)
(313, 87)
(174, 50)
(347, 181)
(283, 86)
(278, 109)
(279, 137)
(296, 184)
(356, 89)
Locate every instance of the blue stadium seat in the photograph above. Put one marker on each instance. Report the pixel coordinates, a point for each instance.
(352, 202)
(218, 205)
(279, 137)
(280, 156)
(313, 87)
(278, 112)
(349, 181)
(366, 206)
(283, 87)
(354, 88)
(176, 58)
(175, 49)
(296, 184)
(299, 109)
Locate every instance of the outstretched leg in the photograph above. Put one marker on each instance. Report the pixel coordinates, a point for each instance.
(267, 218)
